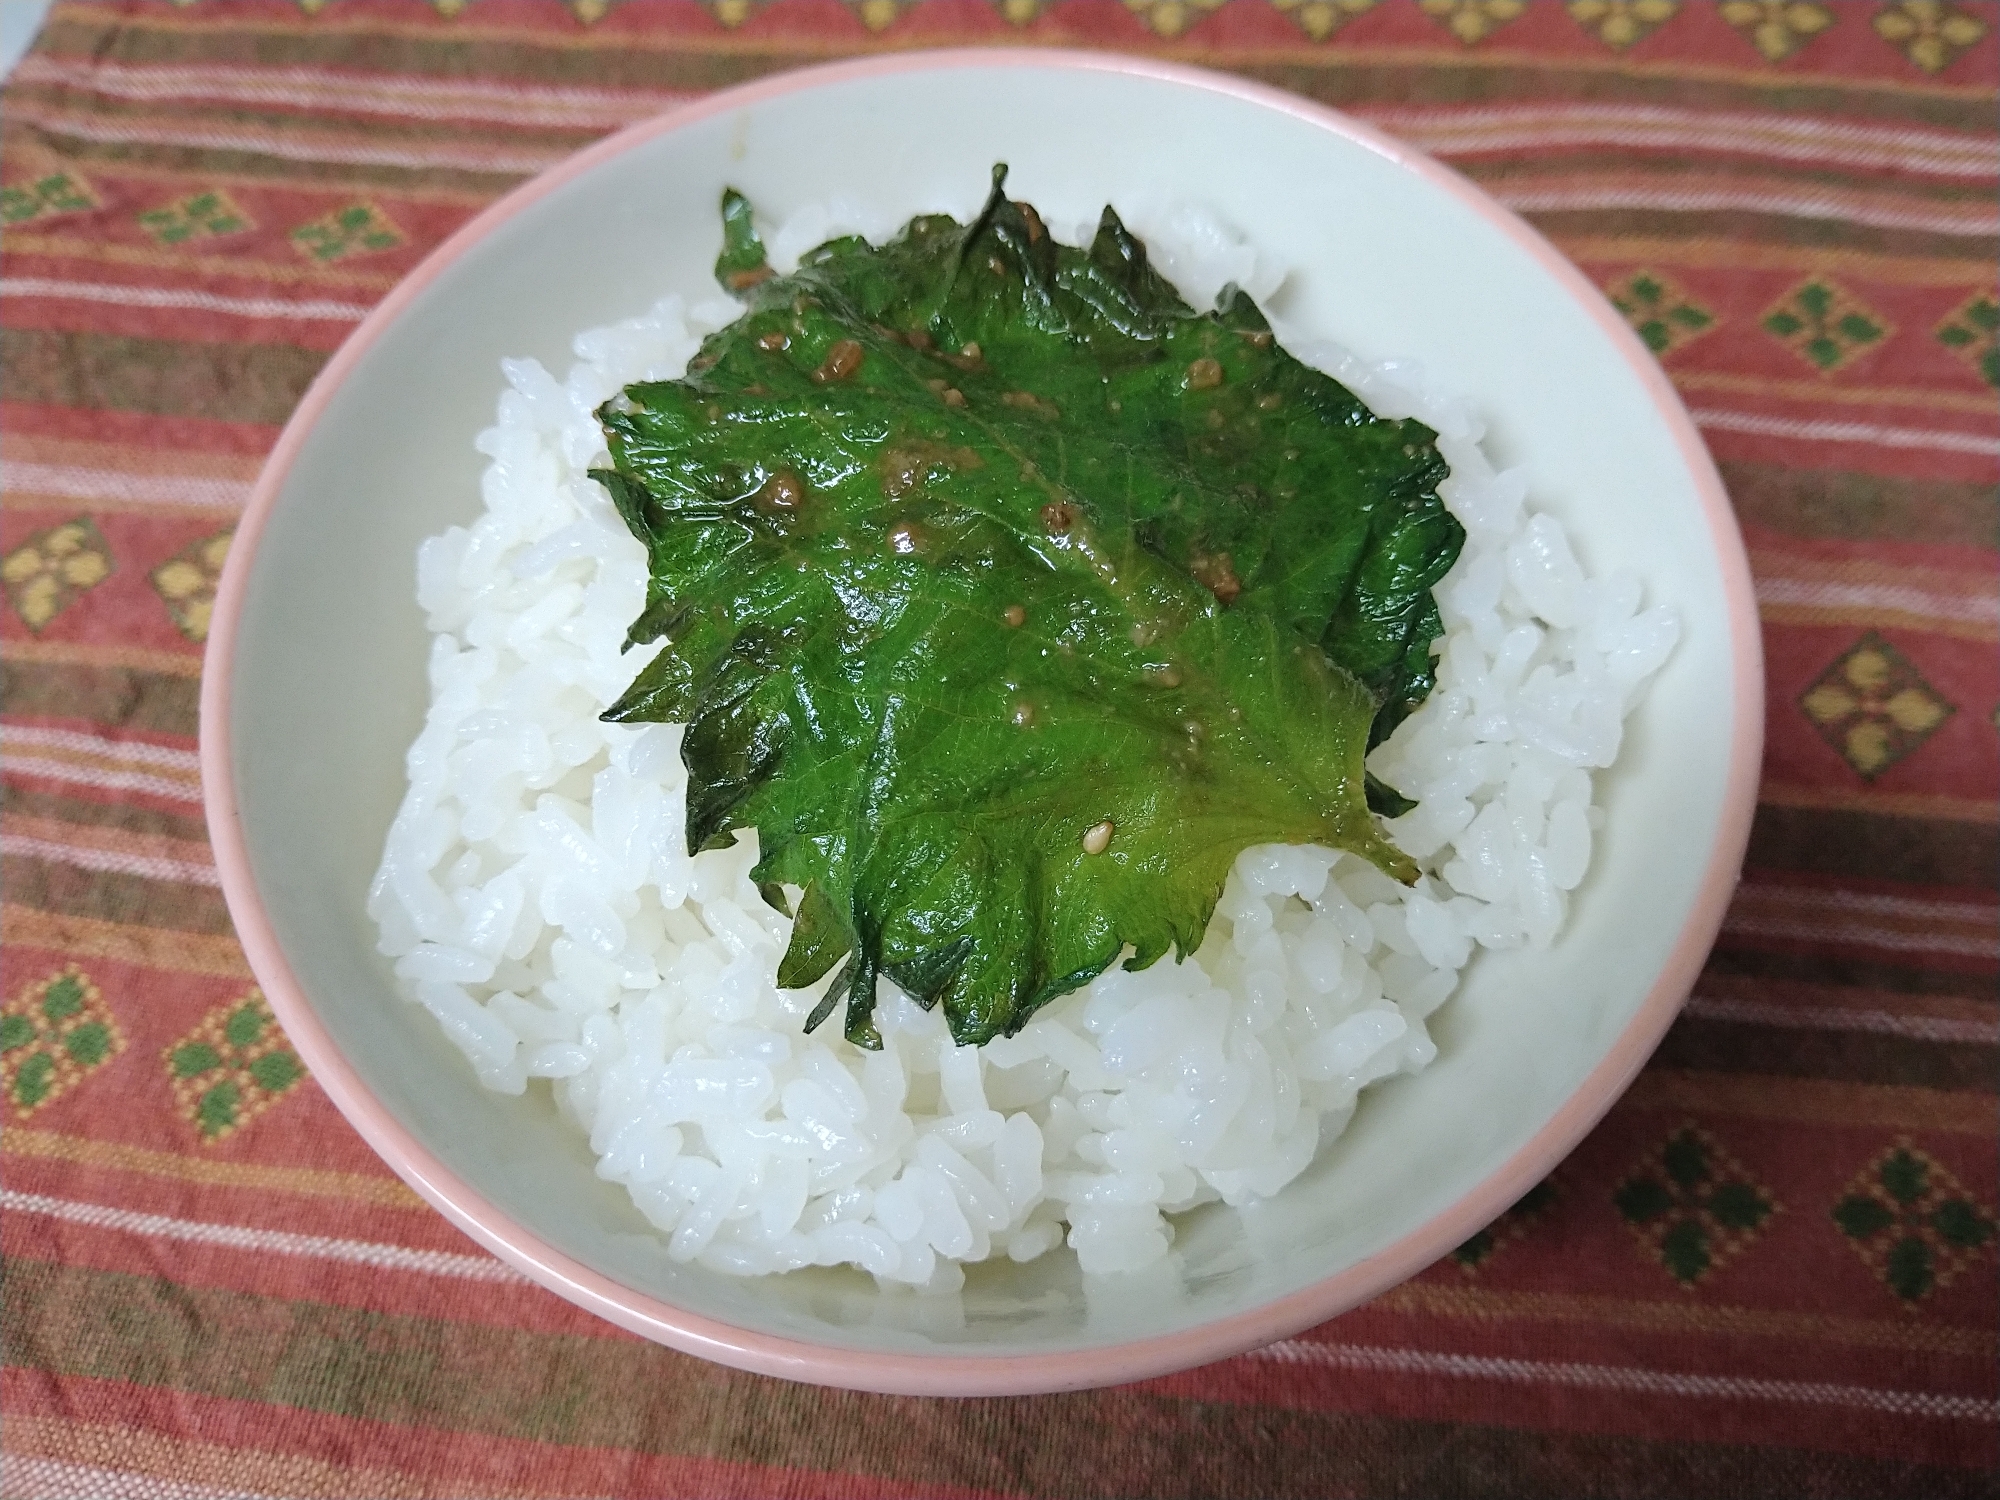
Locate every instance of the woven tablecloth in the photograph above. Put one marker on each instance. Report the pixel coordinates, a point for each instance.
(1770, 1271)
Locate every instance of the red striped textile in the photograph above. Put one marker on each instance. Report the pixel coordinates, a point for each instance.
(224, 1293)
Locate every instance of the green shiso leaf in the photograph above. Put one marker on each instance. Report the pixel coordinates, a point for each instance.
(1009, 599)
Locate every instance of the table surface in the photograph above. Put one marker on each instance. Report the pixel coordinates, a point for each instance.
(1769, 1272)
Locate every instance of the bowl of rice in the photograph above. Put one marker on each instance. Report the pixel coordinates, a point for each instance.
(471, 903)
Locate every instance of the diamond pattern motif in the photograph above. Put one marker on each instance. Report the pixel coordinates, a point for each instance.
(878, 15)
(359, 229)
(231, 1068)
(45, 198)
(1912, 1222)
(1473, 21)
(186, 583)
(1927, 32)
(1663, 315)
(1320, 19)
(1873, 706)
(1825, 325)
(53, 1035)
(1969, 331)
(1171, 17)
(48, 572)
(1777, 28)
(1693, 1205)
(200, 216)
(1620, 23)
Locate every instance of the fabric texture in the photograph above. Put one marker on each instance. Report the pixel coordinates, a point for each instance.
(1770, 1271)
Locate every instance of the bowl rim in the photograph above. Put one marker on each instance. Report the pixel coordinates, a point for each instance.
(914, 1373)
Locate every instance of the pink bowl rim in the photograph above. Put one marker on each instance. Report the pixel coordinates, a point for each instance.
(1003, 1374)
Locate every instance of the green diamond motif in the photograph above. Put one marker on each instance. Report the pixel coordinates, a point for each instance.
(359, 229)
(201, 216)
(1692, 1205)
(1664, 316)
(53, 1035)
(1912, 1222)
(1972, 331)
(232, 1067)
(1825, 325)
(45, 198)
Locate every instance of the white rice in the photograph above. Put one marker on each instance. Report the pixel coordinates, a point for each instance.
(538, 898)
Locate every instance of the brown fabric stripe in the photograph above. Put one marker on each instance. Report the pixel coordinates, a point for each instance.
(1838, 505)
(64, 891)
(563, 1389)
(1684, 169)
(1813, 968)
(1710, 1046)
(1867, 799)
(243, 382)
(1813, 1101)
(53, 102)
(316, 159)
(1694, 252)
(1480, 1304)
(190, 828)
(1753, 228)
(1920, 851)
(150, 702)
(145, 947)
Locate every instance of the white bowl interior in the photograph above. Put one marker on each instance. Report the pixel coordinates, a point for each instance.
(328, 687)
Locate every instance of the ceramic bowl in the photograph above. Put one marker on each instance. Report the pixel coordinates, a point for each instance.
(315, 685)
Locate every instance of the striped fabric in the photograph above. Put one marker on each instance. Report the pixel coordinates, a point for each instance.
(1771, 1271)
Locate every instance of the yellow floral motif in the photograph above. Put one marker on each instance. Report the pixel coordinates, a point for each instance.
(1873, 706)
(44, 575)
(1021, 12)
(448, 8)
(1930, 34)
(231, 1068)
(1171, 17)
(186, 583)
(1320, 19)
(1472, 21)
(1620, 23)
(590, 12)
(52, 1036)
(733, 13)
(1777, 27)
(879, 15)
